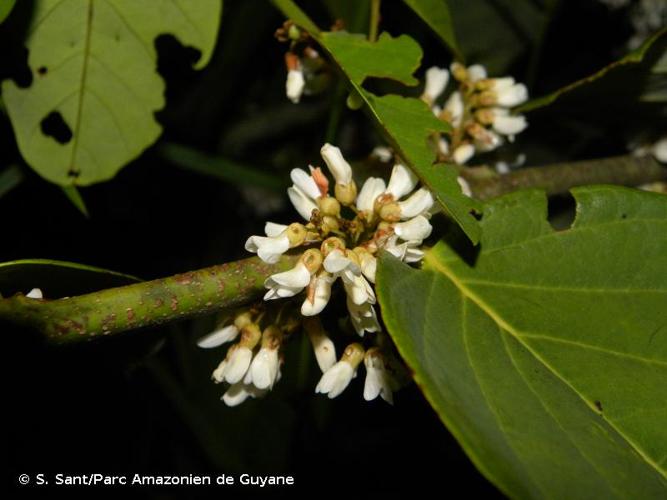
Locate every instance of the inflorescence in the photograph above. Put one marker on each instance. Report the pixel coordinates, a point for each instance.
(339, 239)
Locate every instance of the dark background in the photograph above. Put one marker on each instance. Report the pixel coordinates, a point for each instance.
(144, 402)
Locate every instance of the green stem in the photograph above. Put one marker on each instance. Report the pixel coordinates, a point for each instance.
(558, 178)
(375, 20)
(144, 304)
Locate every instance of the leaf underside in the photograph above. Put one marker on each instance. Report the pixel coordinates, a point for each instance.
(94, 73)
(547, 358)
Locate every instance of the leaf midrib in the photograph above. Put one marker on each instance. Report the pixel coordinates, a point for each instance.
(82, 87)
(469, 294)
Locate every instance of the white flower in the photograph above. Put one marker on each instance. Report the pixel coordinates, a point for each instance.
(337, 378)
(443, 146)
(406, 251)
(420, 202)
(368, 264)
(339, 168)
(363, 316)
(382, 153)
(476, 72)
(218, 337)
(338, 264)
(318, 295)
(234, 366)
(288, 283)
(454, 107)
(304, 193)
(509, 95)
(239, 392)
(379, 382)
(507, 124)
(487, 140)
(358, 290)
(465, 187)
(35, 293)
(401, 182)
(263, 369)
(415, 230)
(323, 347)
(463, 153)
(372, 188)
(295, 85)
(269, 248)
(659, 150)
(436, 81)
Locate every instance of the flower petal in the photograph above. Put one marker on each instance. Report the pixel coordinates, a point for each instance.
(302, 203)
(416, 229)
(372, 188)
(419, 203)
(272, 229)
(218, 337)
(339, 168)
(305, 182)
(402, 181)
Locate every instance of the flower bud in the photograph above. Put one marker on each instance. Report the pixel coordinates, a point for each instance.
(331, 244)
(390, 212)
(296, 234)
(312, 259)
(329, 224)
(250, 335)
(353, 354)
(459, 71)
(329, 206)
(346, 193)
(243, 320)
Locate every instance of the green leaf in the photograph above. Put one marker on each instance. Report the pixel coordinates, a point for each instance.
(437, 16)
(73, 195)
(6, 7)
(94, 74)
(547, 356)
(9, 179)
(220, 168)
(393, 58)
(57, 278)
(617, 80)
(407, 122)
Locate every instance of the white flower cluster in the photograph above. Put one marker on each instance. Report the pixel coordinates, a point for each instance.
(391, 216)
(479, 110)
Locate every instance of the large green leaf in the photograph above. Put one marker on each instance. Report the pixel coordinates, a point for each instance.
(546, 353)
(437, 16)
(94, 73)
(407, 122)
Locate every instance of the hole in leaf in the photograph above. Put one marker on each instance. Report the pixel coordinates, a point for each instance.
(561, 212)
(54, 126)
